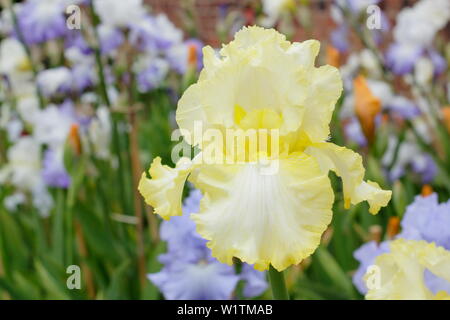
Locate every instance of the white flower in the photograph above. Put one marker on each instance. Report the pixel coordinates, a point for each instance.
(10, 122)
(12, 56)
(165, 30)
(100, 133)
(6, 22)
(119, 13)
(369, 61)
(53, 80)
(418, 25)
(273, 9)
(14, 129)
(15, 65)
(24, 164)
(28, 108)
(13, 201)
(42, 200)
(423, 71)
(23, 171)
(381, 90)
(436, 12)
(52, 127)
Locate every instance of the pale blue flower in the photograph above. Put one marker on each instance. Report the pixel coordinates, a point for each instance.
(424, 219)
(189, 270)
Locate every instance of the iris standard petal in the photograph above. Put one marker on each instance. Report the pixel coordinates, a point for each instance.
(261, 70)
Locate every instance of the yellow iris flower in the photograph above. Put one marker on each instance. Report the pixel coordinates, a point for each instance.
(401, 271)
(261, 81)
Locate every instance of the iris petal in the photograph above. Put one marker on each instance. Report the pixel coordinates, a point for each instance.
(401, 272)
(264, 219)
(165, 188)
(348, 165)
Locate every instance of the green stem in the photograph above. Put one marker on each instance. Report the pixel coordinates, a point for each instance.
(58, 227)
(98, 59)
(115, 121)
(278, 284)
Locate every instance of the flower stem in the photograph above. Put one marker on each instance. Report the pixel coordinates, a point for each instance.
(278, 285)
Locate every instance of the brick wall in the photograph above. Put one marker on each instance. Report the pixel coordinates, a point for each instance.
(205, 14)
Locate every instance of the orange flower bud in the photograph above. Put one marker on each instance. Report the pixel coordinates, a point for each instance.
(74, 138)
(333, 56)
(393, 227)
(192, 55)
(427, 190)
(446, 114)
(367, 106)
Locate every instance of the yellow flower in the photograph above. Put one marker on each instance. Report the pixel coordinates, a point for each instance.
(265, 84)
(401, 272)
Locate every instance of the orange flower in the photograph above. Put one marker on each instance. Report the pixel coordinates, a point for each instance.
(333, 56)
(74, 138)
(427, 190)
(393, 227)
(446, 114)
(192, 55)
(367, 106)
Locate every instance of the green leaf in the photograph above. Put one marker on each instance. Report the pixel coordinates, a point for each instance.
(334, 272)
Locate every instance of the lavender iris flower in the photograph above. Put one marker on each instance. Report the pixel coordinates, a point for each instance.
(401, 58)
(190, 272)
(178, 55)
(357, 6)
(76, 40)
(155, 33)
(425, 166)
(354, 133)
(111, 38)
(403, 107)
(42, 20)
(52, 128)
(439, 62)
(425, 219)
(53, 172)
(152, 74)
(339, 38)
(366, 255)
(409, 155)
